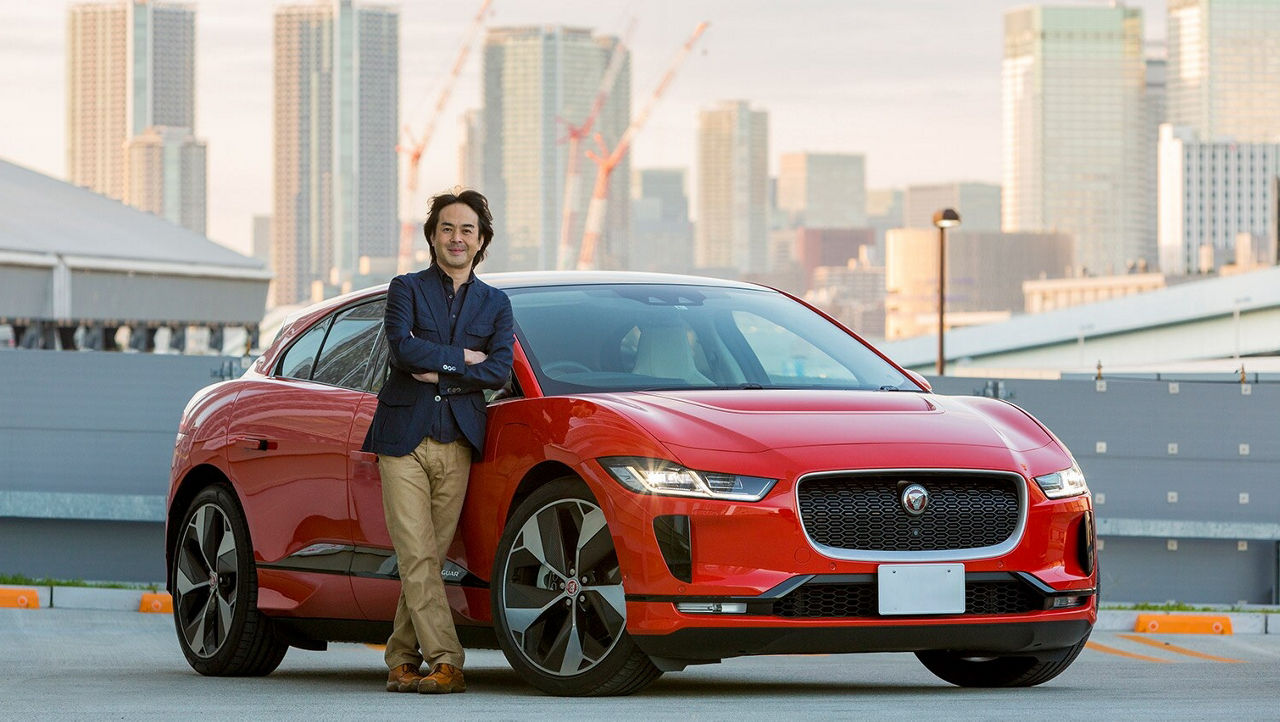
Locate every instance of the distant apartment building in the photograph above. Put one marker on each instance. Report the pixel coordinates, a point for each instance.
(165, 174)
(1210, 193)
(985, 271)
(470, 152)
(536, 79)
(733, 187)
(1074, 122)
(977, 203)
(1223, 78)
(336, 179)
(884, 211)
(261, 249)
(825, 247)
(822, 190)
(130, 69)
(661, 234)
(853, 293)
(1050, 294)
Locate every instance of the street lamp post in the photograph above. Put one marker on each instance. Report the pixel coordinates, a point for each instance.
(943, 219)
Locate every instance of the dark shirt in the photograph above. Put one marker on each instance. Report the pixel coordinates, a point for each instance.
(444, 427)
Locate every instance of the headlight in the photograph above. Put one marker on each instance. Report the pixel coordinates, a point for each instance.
(1061, 484)
(657, 476)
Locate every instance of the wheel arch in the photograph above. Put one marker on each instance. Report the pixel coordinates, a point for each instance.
(196, 480)
(536, 477)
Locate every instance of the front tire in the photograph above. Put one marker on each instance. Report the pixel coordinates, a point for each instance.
(559, 607)
(968, 670)
(215, 592)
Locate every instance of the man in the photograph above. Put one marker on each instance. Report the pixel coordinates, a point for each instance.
(450, 336)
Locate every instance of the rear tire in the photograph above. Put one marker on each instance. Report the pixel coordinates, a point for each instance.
(215, 592)
(970, 670)
(559, 609)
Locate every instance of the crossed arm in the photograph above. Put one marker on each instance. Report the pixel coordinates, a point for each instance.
(453, 367)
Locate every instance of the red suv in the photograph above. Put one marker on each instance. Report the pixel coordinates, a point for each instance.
(679, 471)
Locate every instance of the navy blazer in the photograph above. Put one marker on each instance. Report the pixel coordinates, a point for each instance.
(417, 331)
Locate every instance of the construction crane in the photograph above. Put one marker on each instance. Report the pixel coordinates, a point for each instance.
(606, 161)
(414, 147)
(575, 134)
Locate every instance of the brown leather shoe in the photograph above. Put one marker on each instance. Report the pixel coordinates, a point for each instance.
(404, 678)
(444, 678)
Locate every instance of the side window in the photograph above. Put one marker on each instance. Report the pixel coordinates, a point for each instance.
(344, 360)
(301, 357)
(380, 368)
(787, 356)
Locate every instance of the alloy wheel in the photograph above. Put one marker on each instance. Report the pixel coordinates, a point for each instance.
(205, 580)
(562, 595)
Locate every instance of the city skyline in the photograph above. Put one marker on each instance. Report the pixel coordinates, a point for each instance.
(928, 113)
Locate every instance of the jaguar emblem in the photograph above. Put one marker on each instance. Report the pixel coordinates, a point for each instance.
(915, 499)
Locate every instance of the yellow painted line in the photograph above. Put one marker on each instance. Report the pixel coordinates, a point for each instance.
(1121, 653)
(1175, 648)
(379, 647)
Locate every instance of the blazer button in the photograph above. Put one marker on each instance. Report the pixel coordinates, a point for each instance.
(437, 398)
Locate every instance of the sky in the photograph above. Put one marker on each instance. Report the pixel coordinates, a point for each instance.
(914, 85)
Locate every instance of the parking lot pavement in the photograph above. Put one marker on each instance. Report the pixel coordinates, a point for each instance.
(79, 663)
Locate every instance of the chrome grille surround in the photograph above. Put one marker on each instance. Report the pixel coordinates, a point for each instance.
(892, 515)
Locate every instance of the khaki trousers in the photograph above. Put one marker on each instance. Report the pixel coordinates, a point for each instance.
(422, 495)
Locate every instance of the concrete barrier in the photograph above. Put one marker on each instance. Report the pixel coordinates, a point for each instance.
(43, 594)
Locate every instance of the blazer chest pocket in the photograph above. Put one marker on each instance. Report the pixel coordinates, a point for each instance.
(424, 325)
(478, 333)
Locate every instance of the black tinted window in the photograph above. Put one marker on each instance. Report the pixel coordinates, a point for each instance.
(344, 361)
(301, 357)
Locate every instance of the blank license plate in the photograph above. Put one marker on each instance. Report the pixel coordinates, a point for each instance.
(921, 588)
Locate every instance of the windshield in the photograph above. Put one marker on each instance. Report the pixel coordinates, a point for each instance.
(629, 337)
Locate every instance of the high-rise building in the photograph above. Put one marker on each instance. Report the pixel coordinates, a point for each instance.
(165, 175)
(536, 79)
(1073, 126)
(823, 190)
(1210, 193)
(471, 150)
(130, 67)
(661, 235)
(733, 188)
(336, 185)
(1224, 81)
(985, 271)
(262, 239)
(977, 203)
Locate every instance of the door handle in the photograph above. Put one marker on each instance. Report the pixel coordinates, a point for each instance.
(255, 444)
(367, 457)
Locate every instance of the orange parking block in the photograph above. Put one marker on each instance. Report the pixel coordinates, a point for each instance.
(19, 599)
(1183, 624)
(161, 603)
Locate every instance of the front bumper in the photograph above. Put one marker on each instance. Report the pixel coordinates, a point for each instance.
(694, 645)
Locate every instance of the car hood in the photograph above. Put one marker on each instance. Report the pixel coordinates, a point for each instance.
(756, 420)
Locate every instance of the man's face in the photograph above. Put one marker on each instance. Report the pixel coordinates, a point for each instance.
(457, 237)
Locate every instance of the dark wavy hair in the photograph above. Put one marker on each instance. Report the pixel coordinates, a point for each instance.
(473, 200)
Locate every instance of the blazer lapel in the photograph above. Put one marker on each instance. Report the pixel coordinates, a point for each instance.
(472, 304)
(432, 290)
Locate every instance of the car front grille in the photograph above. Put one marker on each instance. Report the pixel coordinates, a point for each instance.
(864, 511)
(817, 600)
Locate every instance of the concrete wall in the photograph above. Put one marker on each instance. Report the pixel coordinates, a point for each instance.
(86, 440)
(1194, 462)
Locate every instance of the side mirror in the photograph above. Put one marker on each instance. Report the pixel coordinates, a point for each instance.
(916, 377)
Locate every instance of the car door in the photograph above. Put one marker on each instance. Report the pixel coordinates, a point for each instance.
(288, 448)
